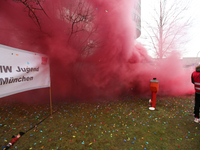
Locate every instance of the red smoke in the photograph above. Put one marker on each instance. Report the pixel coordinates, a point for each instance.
(100, 59)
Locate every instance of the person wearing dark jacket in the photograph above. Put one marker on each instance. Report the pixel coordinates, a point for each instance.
(195, 78)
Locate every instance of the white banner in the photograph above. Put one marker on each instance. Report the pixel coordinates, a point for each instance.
(22, 71)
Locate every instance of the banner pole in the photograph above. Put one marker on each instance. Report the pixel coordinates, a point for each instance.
(50, 88)
(50, 99)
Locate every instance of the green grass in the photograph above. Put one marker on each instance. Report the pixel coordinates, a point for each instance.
(123, 124)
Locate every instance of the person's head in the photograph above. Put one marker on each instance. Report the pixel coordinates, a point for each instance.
(198, 68)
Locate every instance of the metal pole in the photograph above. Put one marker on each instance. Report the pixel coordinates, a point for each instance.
(197, 58)
(50, 99)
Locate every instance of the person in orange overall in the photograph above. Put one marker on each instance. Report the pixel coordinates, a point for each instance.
(195, 78)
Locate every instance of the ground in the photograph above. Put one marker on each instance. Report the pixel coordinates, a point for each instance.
(123, 124)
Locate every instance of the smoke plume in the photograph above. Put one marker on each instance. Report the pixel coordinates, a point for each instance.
(92, 48)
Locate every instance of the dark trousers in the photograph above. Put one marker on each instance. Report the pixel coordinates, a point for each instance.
(197, 105)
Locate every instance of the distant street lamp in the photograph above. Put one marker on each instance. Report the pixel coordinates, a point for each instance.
(198, 53)
(197, 57)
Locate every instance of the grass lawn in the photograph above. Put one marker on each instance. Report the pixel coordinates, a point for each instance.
(124, 124)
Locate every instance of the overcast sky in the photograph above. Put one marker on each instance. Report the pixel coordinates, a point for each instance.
(193, 47)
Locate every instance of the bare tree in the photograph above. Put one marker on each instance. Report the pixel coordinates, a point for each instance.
(79, 16)
(82, 32)
(166, 32)
(32, 6)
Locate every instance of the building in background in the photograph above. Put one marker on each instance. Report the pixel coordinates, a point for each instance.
(137, 17)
